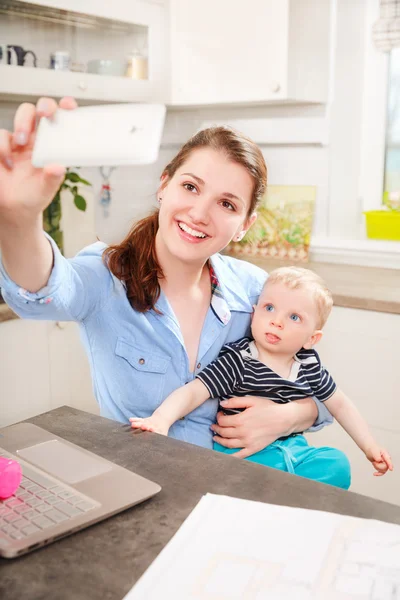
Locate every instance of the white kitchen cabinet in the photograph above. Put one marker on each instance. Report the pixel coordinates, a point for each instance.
(88, 30)
(24, 370)
(257, 51)
(70, 379)
(42, 366)
(360, 349)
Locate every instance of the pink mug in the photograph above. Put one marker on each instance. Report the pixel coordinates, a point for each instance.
(10, 477)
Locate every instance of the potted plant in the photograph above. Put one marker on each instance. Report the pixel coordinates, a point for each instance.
(52, 214)
(385, 224)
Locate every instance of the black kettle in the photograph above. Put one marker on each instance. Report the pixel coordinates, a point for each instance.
(18, 52)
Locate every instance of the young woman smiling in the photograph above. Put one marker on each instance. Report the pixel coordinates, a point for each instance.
(158, 307)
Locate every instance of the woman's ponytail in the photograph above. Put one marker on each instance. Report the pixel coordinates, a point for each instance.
(134, 262)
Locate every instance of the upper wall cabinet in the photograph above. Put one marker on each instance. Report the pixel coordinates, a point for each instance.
(94, 51)
(249, 51)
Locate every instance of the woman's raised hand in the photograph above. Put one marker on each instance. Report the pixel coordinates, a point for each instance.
(24, 190)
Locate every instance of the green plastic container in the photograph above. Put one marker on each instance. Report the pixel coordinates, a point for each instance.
(383, 224)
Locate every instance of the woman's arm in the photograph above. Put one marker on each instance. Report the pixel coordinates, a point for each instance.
(263, 422)
(26, 254)
(24, 193)
(77, 287)
(178, 404)
(36, 280)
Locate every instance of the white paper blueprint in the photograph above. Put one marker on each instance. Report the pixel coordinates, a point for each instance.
(232, 549)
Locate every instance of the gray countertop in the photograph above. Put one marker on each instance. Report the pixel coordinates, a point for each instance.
(352, 286)
(105, 560)
(367, 288)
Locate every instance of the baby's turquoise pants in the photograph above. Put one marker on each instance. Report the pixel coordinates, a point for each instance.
(294, 455)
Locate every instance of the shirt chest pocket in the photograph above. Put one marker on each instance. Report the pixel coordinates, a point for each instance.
(147, 376)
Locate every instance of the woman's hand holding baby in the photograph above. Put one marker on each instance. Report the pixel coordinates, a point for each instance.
(263, 422)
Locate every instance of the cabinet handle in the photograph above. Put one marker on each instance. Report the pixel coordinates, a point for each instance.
(60, 325)
(82, 85)
(275, 87)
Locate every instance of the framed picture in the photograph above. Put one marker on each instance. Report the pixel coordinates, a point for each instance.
(284, 224)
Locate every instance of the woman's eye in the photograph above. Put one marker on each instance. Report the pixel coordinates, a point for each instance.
(295, 318)
(227, 204)
(269, 307)
(190, 187)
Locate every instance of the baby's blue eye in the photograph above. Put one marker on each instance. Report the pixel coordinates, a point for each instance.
(269, 307)
(295, 318)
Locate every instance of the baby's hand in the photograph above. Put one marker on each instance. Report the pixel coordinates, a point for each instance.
(153, 423)
(380, 459)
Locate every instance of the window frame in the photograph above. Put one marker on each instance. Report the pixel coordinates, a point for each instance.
(374, 117)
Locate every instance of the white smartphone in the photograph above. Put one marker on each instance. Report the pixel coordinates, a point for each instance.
(101, 135)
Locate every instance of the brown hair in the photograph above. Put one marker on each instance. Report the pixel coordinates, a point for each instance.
(298, 278)
(134, 260)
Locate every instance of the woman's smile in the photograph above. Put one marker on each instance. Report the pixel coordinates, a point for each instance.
(190, 233)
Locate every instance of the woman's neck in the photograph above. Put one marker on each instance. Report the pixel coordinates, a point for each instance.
(184, 281)
(179, 276)
(188, 289)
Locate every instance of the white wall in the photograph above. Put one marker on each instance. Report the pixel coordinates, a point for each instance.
(356, 348)
(328, 157)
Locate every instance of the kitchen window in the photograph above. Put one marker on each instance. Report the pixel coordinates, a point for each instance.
(391, 179)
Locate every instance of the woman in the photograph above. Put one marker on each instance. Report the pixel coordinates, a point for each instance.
(158, 307)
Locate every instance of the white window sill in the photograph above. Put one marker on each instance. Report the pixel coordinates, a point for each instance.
(369, 253)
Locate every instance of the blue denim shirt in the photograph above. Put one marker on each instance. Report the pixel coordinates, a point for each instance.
(138, 359)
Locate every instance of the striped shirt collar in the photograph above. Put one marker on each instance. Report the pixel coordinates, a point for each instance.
(308, 357)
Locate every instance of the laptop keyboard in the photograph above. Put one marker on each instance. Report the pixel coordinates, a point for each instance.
(39, 503)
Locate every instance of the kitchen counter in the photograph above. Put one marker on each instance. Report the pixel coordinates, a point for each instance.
(368, 288)
(105, 560)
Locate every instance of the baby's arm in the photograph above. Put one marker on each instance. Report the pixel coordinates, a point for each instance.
(354, 423)
(178, 404)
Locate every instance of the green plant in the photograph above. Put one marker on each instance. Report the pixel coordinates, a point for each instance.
(52, 214)
(289, 224)
(392, 200)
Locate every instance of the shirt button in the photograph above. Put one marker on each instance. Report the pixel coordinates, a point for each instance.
(198, 365)
(141, 361)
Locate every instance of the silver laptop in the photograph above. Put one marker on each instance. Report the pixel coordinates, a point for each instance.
(64, 488)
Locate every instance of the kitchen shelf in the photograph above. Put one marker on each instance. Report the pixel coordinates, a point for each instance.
(47, 14)
(89, 31)
(30, 83)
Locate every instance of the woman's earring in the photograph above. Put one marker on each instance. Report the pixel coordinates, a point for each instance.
(239, 236)
(159, 200)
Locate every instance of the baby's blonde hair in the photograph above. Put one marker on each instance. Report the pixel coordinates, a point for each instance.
(298, 278)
